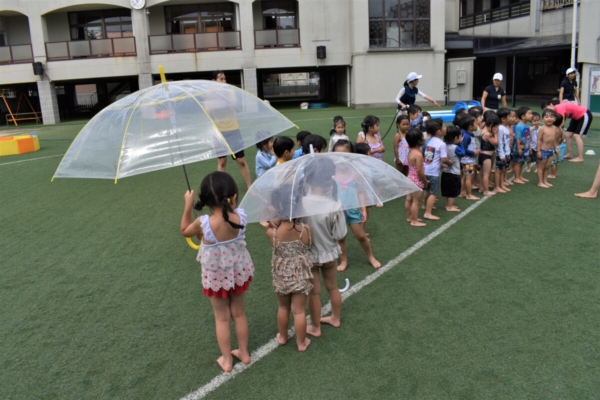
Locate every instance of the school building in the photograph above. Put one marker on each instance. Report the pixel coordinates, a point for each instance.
(70, 58)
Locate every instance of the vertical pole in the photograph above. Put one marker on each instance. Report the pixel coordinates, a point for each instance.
(574, 36)
(514, 79)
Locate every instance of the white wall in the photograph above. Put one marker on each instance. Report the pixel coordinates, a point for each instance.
(452, 15)
(460, 92)
(589, 32)
(57, 25)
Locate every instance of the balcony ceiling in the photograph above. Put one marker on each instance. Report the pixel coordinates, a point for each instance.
(86, 7)
(10, 14)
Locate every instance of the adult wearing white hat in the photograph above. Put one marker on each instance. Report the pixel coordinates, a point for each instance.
(494, 94)
(568, 88)
(408, 94)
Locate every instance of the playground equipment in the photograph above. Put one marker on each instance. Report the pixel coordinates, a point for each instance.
(20, 116)
(18, 144)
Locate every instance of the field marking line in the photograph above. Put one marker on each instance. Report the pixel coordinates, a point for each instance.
(272, 344)
(31, 159)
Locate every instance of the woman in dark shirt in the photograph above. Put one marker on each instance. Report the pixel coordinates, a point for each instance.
(493, 94)
(568, 88)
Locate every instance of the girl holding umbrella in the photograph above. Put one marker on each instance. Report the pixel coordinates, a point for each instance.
(408, 94)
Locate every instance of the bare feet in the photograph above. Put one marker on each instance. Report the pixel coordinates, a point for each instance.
(243, 356)
(431, 217)
(342, 267)
(410, 220)
(568, 156)
(488, 193)
(226, 365)
(543, 186)
(471, 197)
(303, 346)
(519, 181)
(576, 159)
(462, 195)
(506, 189)
(587, 195)
(330, 321)
(526, 180)
(500, 190)
(551, 176)
(507, 183)
(549, 184)
(475, 188)
(313, 331)
(374, 264)
(281, 340)
(417, 223)
(453, 209)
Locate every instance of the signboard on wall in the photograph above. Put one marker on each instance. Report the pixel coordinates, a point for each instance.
(594, 87)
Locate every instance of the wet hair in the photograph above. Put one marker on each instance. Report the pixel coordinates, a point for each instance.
(300, 136)
(344, 143)
(215, 191)
(535, 115)
(414, 138)
(466, 122)
(522, 111)
(362, 148)
(503, 113)
(559, 120)
(318, 143)
(452, 132)
(413, 109)
(282, 201)
(401, 118)
(282, 144)
(369, 121)
(549, 111)
(431, 127)
(545, 104)
(492, 120)
(216, 74)
(263, 142)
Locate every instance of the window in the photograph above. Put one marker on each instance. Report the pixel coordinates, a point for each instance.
(279, 14)
(102, 24)
(399, 23)
(200, 18)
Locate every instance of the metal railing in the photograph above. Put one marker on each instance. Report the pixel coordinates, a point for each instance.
(497, 14)
(548, 5)
(16, 54)
(77, 49)
(277, 38)
(195, 42)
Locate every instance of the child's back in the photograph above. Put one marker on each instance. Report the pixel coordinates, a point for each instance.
(291, 261)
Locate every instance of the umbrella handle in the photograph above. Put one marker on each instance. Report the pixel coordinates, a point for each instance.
(192, 244)
(346, 287)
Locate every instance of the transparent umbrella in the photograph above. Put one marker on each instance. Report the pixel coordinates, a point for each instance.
(323, 183)
(167, 125)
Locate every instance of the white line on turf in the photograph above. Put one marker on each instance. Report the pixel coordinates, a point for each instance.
(31, 159)
(272, 344)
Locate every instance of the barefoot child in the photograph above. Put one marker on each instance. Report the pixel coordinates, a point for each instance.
(300, 136)
(326, 230)
(451, 172)
(291, 265)
(468, 125)
(340, 133)
(265, 158)
(435, 155)
(370, 135)
(416, 174)
(227, 268)
(489, 141)
(356, 217)
(401, 145)
(560, 138)
(535, 126)
(502, 151)
(283, 147)
(521, 143)
(546, 145)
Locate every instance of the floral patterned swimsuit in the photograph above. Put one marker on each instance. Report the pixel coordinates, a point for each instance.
(226, 266)
(291, 266)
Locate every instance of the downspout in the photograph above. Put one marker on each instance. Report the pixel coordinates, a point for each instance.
(574, 36)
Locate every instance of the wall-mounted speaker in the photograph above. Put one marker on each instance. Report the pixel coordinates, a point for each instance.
(38, 68)
(321, 52)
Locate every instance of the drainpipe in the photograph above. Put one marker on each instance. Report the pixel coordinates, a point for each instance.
(514, 79)
(574, 36)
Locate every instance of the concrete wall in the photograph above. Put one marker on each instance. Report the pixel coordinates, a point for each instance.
(17, 30)
(459, 92)
(589, 32)
(57, 25)
(452, 15)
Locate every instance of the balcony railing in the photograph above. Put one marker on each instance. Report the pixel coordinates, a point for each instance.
(195, 42)
(277, 38)
(114, 47)
(497, 14)
(16, 54)
(548, 5)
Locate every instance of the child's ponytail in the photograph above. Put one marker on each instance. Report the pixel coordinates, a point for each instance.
(199, 205)
(226, 210)
(369, 121)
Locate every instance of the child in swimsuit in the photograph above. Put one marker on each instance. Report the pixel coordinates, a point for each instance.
(370, 135)
(489, 141)
(546, 145)
(416, 174)
(401, 145)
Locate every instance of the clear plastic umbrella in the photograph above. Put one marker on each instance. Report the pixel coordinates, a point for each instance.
(323, 183)
(167, 125)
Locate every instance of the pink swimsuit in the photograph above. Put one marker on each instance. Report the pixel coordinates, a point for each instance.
(413, 175)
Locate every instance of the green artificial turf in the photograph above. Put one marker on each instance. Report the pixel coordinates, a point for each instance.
(102, 297)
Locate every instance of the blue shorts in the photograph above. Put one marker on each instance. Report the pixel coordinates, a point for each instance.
(519, 159)
(502, 165)
(547, 153)
(434, 185)
(353, 216)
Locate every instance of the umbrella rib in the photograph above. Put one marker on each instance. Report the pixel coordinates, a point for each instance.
(127, 128)
(293, 186)
(208, 116)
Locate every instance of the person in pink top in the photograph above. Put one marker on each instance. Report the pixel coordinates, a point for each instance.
(581, 119)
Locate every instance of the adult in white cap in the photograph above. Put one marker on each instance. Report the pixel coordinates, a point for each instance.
(408, 94)
(494, 94)
(568, 88)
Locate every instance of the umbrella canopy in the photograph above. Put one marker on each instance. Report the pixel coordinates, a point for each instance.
(170, 124)
(323, 183)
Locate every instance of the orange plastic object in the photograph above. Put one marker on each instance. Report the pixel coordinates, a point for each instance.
(20, 144)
